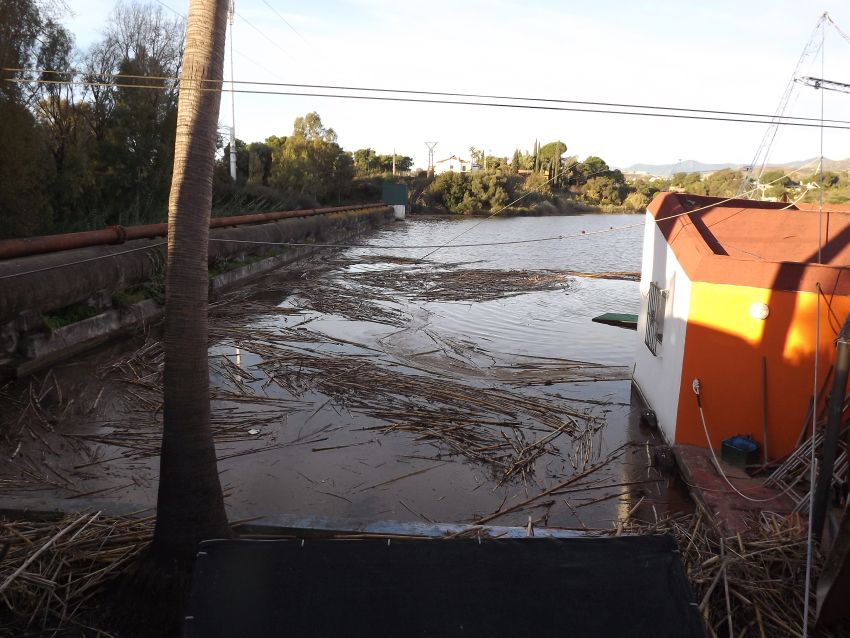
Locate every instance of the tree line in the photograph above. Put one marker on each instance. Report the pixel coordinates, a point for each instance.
(541, 180)
(86, 155)
(89, 134)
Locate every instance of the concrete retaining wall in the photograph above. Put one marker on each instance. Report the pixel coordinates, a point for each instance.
(31, 287)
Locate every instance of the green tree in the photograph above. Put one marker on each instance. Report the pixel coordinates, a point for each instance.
(516, 161)
(774, 176)
(402, 163)
(259, 163)
(25, 207)
(551, 159)
(830, 179)
(365, 161)
(688, 182)
(604, 189)
(636, 201)
(536, 183)
(469, 192)
(133, 128)
(20, 27)
(723, 183)
(137, 150)
(592, 166)
(536, 156)
(310, 162)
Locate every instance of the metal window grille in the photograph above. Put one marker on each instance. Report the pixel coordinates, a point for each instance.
(655, 317)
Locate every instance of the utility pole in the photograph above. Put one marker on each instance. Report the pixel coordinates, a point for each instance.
(230, 13)
(393, 160)
(431, 146)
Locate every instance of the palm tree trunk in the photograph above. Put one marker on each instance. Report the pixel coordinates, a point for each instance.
(190, 506)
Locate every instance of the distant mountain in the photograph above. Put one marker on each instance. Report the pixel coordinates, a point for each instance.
(812, 164)
(693, 166)
(685, 166)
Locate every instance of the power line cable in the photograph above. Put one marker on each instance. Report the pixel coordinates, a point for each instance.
(294, 30)
(520, 99)
(255, 63)
(257, 29)
(245, 20)
(447, 102)
(173, 10)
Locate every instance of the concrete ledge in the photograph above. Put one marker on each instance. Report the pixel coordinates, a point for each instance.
(251, 271)
(49, 282)
(35, 349)
(42, 349)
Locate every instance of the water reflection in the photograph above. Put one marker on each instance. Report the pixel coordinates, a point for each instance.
(324, 410)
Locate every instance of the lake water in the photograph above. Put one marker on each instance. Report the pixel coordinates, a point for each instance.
(341, 383)
(546, 324)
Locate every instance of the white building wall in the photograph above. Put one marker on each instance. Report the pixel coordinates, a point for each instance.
(658, 376)
(453, 163)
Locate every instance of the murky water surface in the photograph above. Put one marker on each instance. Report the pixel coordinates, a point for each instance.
(341, 382)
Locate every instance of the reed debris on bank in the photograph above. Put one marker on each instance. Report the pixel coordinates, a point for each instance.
(749, 585)
(51, 571)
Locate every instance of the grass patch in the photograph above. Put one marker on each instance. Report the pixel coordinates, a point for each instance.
(126, 298)
(222, 265)
(69, 315)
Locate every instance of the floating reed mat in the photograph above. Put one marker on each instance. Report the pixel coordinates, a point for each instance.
(358, 288)
(438, 284)
(507, 431)
(749, 585)
(503, 429)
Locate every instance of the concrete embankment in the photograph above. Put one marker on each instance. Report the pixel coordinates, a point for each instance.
(57, 304)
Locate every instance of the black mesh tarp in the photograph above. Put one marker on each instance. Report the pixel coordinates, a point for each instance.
(627, 586)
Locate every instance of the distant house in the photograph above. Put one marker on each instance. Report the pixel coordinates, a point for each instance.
(729, 289)
(452, 164)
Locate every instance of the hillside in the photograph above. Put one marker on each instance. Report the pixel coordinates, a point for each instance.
(685, 166)
(693, 166)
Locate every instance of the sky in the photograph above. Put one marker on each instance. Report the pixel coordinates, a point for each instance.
(723, 55)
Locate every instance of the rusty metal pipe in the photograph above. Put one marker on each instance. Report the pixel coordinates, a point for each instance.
(11, 248)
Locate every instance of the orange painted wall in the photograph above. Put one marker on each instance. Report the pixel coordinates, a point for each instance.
(724, 346)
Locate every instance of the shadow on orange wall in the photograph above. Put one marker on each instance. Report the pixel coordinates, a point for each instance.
(724, 350)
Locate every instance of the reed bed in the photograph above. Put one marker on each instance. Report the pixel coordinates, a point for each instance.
(748, 585)
(51, 571)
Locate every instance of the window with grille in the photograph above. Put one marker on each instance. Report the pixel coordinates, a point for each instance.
(655, 317)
